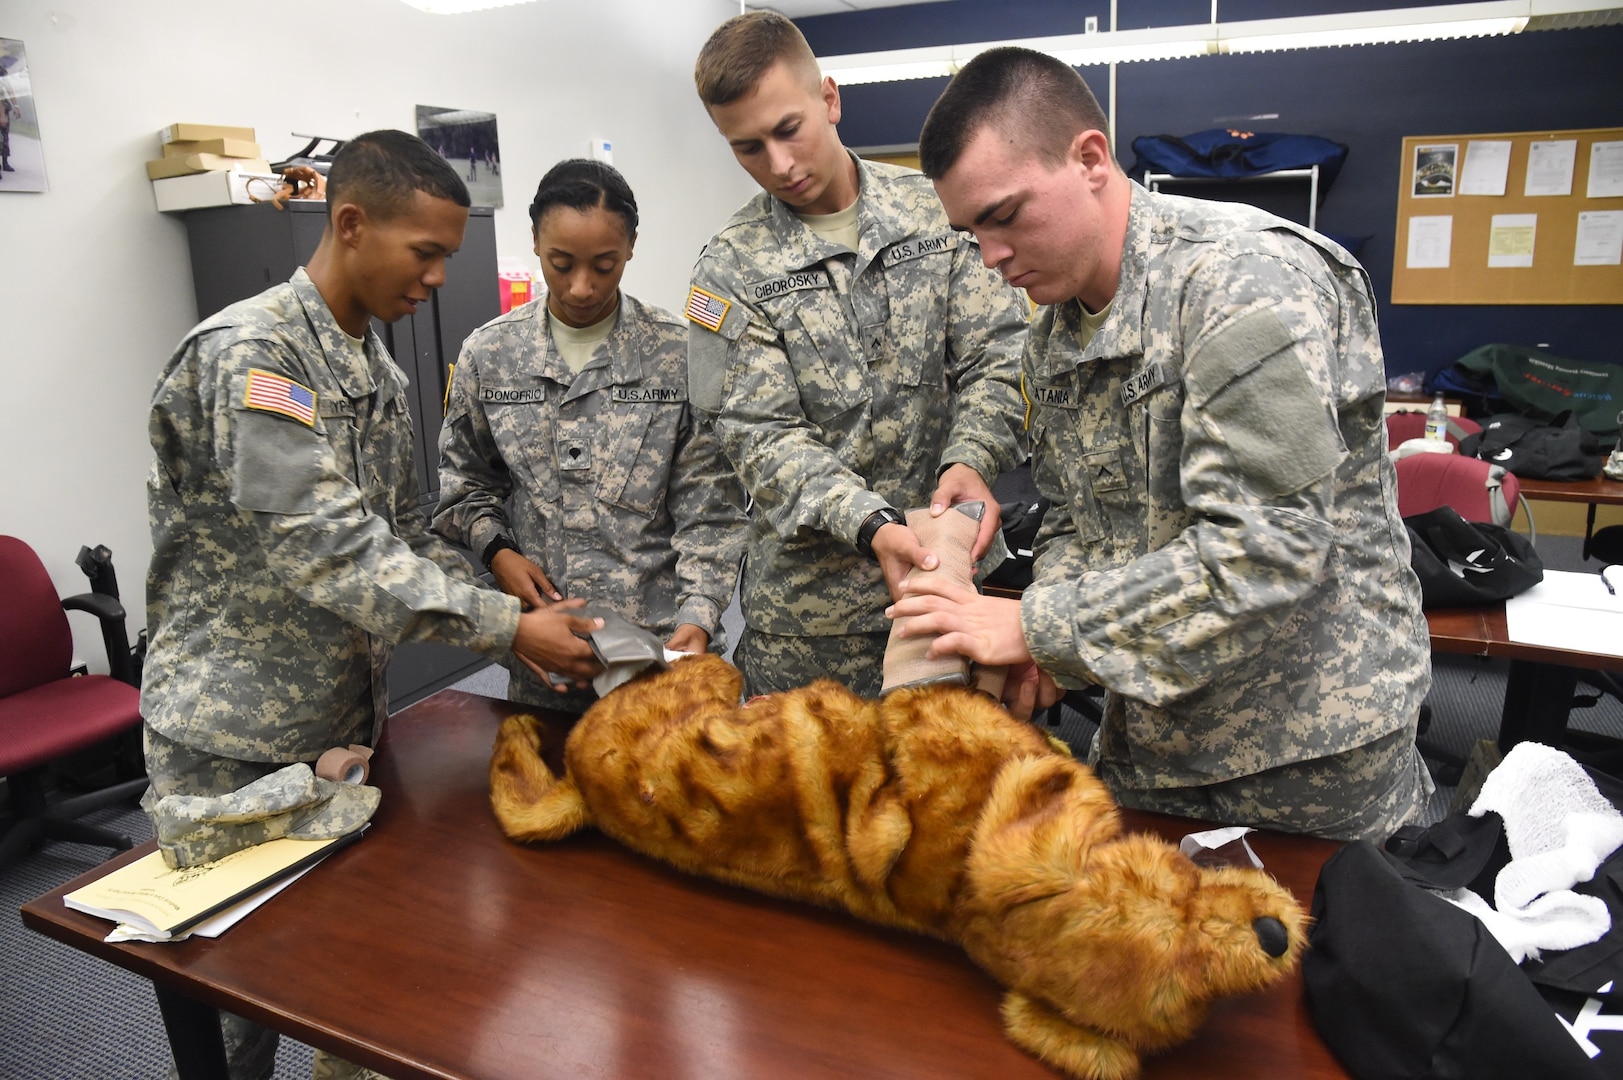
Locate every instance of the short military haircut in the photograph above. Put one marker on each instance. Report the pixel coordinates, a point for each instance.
(581, 185)
(1037, 99)
(379, 171)
(742, 49)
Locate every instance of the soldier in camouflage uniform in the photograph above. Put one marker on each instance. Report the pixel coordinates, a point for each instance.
(575, 465)
(288, 553)
(857, 359)
(1224, 554)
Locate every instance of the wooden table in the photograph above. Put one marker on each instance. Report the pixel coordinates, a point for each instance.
(1541, 680)
(1596, 491)
(436, 948)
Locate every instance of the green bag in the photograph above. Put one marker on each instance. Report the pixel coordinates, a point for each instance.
(1543, 385)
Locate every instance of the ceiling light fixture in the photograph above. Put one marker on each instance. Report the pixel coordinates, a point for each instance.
(459, 7)
(1374, 27)
(1442, 21)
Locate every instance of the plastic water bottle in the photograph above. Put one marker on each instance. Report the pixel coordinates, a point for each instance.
(1437, 420)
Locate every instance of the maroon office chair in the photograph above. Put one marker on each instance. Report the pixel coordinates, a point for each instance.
(1403, 426)
(1479, 490)
(45, 712)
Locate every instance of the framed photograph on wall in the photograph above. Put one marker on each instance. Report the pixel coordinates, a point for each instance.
(22, 162)
(467, 139)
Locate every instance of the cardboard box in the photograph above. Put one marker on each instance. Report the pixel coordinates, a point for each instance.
(212, 189)
(196, 163)
(198, 132)
(239, 148)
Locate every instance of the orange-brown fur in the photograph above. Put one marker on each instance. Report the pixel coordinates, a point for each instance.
(933, 810)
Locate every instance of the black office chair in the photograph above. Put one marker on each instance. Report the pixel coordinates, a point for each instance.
(46, 713)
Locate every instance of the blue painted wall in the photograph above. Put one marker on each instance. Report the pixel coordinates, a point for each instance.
(1368, 97)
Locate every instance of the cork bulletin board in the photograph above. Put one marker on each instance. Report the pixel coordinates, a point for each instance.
(1529, 217)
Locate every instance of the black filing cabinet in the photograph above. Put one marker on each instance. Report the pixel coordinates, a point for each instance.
(238, 251)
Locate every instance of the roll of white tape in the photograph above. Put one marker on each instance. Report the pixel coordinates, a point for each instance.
(345, 764)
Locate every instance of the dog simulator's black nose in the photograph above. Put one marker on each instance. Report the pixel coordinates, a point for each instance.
(1271, 935)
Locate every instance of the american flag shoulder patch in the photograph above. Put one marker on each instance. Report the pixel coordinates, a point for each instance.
(707, 309)
(269, 392)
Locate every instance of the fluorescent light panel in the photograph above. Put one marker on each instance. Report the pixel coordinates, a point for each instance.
(1375, 27)
(1493, 17)
(890, 67)
(459, 7)
(1373, 35)
(1125, 46)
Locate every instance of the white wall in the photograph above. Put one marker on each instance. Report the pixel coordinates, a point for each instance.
(95, 285)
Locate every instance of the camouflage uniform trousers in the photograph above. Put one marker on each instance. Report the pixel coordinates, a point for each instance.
(176, 769)
(1384, 782)
(773, 663)
(529, 691)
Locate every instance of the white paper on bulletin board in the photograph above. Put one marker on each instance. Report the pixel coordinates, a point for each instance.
(1605, 170)
(1549, 166)
(1487, 165)
(1600, 239)
(1430, 239)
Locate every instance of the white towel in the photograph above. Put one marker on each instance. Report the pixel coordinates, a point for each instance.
(1561, 920)
(1559, 828)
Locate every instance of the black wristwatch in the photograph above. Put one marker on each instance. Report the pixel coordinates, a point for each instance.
(872, 524)
(498, 544)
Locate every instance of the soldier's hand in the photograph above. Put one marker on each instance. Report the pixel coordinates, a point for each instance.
(898, 550)
(1028, 689)
(518, 576)
(960, 483)
(688, 638)
(984, 628)
(550, 642)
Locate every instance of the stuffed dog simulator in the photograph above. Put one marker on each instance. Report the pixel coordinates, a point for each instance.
(932, 810)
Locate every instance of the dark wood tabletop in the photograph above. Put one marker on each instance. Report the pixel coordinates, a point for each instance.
(1597, 490)
(1541, 681)
(1481, 631)
(436, 948)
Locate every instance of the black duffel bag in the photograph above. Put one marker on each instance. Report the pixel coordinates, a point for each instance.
(1403, 984)
(1469, 563)
(1533, 449)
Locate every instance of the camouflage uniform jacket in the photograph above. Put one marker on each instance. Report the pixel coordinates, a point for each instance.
(289, 556)
(602, 478)
(1224, 553)
(843, 382)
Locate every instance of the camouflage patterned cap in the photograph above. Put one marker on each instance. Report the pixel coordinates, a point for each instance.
(291, 802)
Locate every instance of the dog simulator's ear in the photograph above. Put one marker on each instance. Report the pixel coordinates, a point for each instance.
(1029, 843)
(877, 842)
(1044, 1033)
(530, 803)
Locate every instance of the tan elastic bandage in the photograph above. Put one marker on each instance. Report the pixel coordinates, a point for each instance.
(951, 537)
